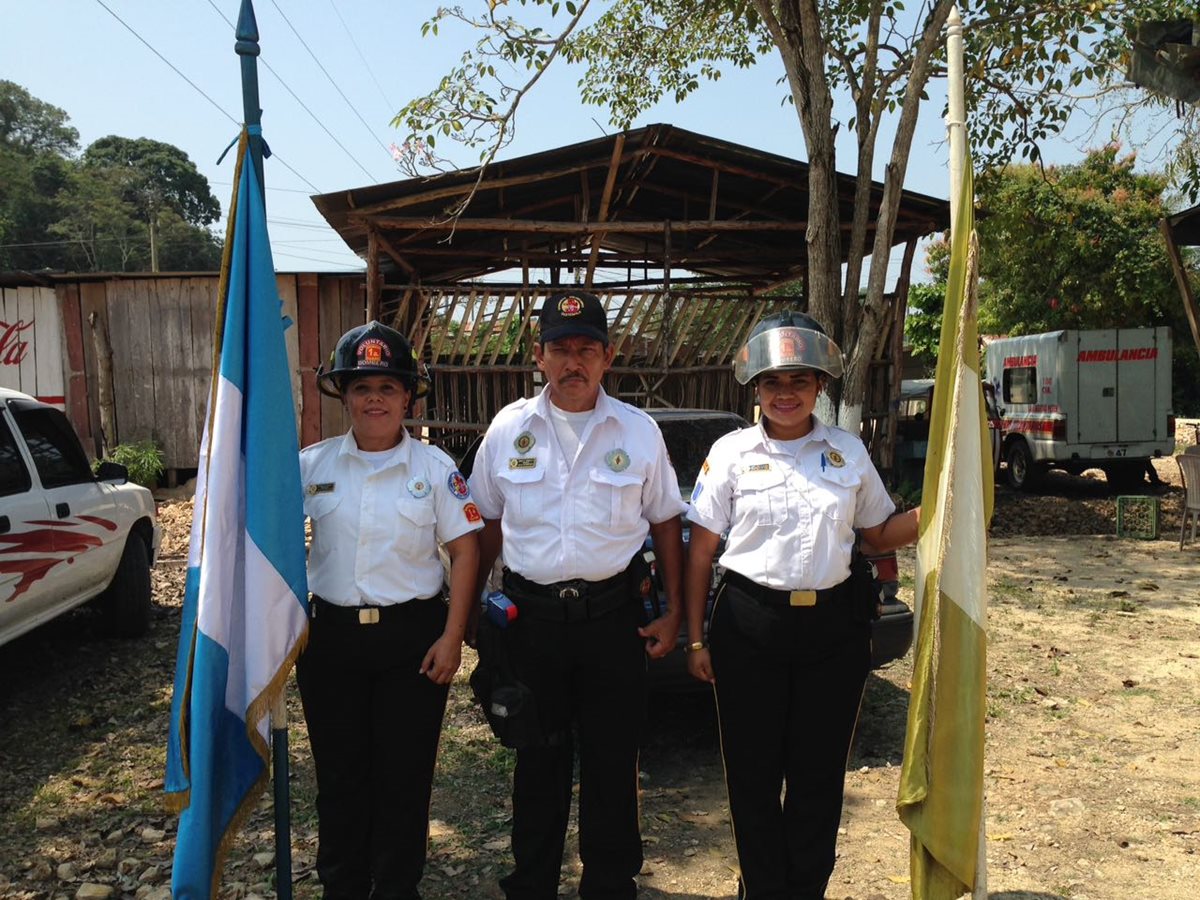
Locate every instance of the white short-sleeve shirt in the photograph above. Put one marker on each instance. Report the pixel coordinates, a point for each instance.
(584, 518)
(790, 507)
(376, 524)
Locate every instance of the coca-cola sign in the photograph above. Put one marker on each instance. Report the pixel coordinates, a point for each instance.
(13, 349)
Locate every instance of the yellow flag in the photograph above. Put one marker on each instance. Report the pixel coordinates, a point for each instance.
(941, 782)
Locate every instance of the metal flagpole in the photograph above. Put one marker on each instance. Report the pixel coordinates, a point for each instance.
(247, 48)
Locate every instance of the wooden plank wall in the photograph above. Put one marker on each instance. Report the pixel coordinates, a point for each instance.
(31, 346)
(478, 341)
(161, 335)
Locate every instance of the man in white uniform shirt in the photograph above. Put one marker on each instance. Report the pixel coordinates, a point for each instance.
(569, 484)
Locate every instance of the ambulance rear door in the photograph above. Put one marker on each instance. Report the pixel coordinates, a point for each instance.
(1096, 381)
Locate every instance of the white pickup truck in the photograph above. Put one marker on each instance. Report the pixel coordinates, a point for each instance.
(68, 535)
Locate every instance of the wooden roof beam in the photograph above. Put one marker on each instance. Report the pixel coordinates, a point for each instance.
(614, 165)
(550, 226)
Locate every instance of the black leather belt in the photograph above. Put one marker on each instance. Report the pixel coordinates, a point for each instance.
(358, 615)
(568, 601)
(784, 598)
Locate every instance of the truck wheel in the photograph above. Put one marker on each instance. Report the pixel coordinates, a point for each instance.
(1125, 476)
(126, 601)
(1023, 473)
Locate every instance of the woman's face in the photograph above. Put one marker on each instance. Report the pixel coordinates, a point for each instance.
(787, 400)
(377, 404)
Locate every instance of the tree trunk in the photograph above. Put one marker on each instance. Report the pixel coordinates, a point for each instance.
(153, 241)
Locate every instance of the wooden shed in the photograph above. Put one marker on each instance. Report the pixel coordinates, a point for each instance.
(688, 240)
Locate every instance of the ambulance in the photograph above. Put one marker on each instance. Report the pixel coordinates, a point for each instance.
(1079, 400)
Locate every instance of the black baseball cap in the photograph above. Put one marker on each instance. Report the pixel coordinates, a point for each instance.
(570, 314)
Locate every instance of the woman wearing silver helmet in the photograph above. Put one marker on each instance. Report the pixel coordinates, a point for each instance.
(788, 650)
(382, 644)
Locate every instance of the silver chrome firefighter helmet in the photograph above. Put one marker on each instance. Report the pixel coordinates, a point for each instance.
(787, 340)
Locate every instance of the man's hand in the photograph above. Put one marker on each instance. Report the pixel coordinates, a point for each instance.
(660, 636)
(442, 660)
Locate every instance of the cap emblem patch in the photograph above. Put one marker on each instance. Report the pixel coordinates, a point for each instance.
(374, 352)
(570, 306)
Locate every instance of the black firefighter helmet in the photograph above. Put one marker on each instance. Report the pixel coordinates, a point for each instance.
(372, 349)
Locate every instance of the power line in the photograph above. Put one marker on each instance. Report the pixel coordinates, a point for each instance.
(169, 63)
(196, 87)
(331, 81)
(303, 106)
(366, 64)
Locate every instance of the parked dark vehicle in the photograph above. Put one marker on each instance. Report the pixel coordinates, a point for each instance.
(688, 434)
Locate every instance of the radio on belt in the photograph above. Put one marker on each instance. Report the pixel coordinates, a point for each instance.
(500, 609)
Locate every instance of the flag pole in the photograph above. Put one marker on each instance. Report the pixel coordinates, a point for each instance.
(956, 115)
(247, 48)
(956, 126)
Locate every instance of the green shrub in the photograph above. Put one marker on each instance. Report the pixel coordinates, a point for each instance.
(143, 459)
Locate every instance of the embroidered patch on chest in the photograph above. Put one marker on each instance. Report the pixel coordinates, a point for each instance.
(617, 460)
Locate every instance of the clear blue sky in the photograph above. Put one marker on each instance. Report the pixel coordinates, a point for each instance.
(76, 55)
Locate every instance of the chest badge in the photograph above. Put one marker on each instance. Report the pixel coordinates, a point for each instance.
(759, 467)
(324, 487)
(617, 460)
(458, 485)
(524, 442)
(835, 459)
(522, 462)
(419, 487)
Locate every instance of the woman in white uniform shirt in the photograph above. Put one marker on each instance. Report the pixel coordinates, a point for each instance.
(790, 647)
(383, 646)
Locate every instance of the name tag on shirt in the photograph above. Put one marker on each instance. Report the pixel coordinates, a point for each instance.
(522, 462)
(760, 467)
(324, 487)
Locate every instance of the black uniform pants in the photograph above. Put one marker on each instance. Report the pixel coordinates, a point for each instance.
(789, 681)
(589, 679)
(373, 724)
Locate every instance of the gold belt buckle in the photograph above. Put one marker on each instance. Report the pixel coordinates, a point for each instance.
(368, 615)
(802, 598)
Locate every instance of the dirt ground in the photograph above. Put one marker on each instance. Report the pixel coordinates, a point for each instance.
(1093, 730)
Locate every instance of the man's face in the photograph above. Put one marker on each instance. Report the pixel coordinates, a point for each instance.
(574, 367)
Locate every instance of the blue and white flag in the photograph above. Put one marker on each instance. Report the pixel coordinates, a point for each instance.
(246, 599)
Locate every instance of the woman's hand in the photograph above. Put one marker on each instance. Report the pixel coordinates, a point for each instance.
(699, 663)
(443, 659)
